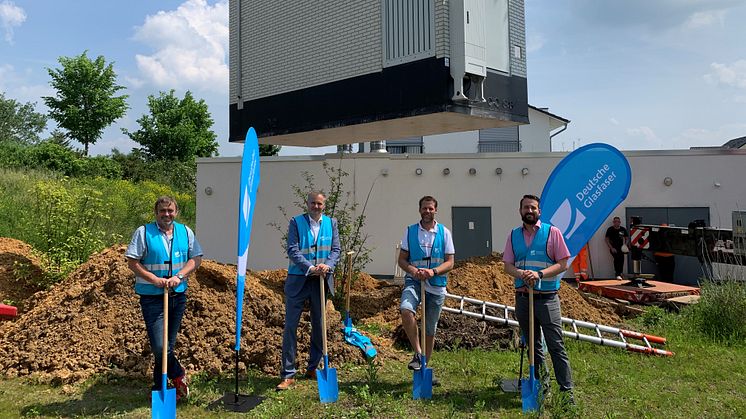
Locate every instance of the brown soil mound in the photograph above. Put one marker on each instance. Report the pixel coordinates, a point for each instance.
(486, 280)
(18, 264)
(91, 323)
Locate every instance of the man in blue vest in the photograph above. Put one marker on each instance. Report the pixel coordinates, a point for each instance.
(313, 250)
(163, 254)
(536, 256)
(426, 256)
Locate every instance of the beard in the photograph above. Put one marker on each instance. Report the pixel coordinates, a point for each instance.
(529, 219)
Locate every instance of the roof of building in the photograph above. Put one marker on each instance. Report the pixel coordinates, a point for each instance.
(734, 143)
(546, 112)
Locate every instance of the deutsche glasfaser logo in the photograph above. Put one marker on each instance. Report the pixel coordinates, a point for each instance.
(563, 219)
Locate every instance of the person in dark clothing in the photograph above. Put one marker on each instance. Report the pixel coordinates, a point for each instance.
(616, 237)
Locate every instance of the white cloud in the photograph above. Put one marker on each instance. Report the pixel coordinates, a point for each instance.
(693, 137)
(535, 42)
(11, 16)
(650, 139)
(18, 86)
(191, 47)
(730, 75)
(614, 121)
(705, 18)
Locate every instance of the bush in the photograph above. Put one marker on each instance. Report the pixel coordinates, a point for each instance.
(54, 157)
(721, 311)
(67, 219)
(12, 155)
(101, 166)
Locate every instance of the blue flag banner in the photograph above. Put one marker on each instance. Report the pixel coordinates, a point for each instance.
(246, 204)
(583, 190)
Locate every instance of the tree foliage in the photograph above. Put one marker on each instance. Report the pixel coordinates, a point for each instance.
(85, 103)
(19, 122)
(176, 129)
(269, 149)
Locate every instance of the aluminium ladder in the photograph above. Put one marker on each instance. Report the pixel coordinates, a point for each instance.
(616, 338)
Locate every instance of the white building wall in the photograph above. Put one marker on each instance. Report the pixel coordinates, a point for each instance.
(291, 45)
(455, 142)
(393, 201)
(534, 136)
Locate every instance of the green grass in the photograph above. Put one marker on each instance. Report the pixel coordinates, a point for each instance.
(702, 380)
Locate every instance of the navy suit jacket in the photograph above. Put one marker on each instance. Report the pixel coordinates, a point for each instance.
(294, 283)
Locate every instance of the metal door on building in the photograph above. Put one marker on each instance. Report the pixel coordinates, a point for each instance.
(688, 270)
(472, 231)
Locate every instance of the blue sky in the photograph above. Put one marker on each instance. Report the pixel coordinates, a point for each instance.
(637, 74)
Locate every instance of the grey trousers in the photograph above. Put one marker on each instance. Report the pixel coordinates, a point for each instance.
(547, 315)
(293, 309)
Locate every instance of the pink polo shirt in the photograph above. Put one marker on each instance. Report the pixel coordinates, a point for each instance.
(556, 246)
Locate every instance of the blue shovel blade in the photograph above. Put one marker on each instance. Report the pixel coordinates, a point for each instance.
(423, 384)
(328, 385)
(163, 404)
(530, 388)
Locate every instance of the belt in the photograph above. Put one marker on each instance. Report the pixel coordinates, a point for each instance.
(537, 295)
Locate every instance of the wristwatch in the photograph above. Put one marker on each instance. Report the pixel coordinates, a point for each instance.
(180, 276)
(435, 271)
(541, 274)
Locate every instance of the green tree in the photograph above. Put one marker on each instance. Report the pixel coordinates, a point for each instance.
(269, 149)
(19, 122)
(85, 103)
(176, 129)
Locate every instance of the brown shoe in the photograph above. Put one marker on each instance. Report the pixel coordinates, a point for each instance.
(311, 374)
(285, 384)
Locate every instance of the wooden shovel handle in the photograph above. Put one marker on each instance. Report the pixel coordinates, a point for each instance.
(164, 360)
(349, 282)
(423, 334)
(531, 326)
(323, 313)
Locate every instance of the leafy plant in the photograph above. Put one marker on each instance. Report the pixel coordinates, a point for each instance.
(176, 129)
(85, 103)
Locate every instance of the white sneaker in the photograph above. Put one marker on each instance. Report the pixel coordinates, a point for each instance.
(619, 277)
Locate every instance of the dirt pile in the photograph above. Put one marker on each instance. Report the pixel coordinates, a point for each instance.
(485, 279)
(18, 264)
(91, 323)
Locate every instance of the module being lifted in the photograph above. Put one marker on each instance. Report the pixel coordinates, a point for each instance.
(344, 71)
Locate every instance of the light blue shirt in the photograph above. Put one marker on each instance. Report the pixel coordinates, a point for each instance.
(137, 248)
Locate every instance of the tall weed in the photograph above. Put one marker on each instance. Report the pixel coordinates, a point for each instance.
(721, 311)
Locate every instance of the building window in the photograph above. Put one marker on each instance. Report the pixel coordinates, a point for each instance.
(405, 146)
(499, 140)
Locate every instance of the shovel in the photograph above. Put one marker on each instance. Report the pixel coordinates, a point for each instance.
(163, 401)
(352, 336)
(423, 379)
(530, 387)
(326, 378)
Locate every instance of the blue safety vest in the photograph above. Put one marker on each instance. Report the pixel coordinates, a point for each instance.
(157, 258)
(315, 252)
(437, 253)
(534, 258)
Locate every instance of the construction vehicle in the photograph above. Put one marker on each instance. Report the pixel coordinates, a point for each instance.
(711, 246)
